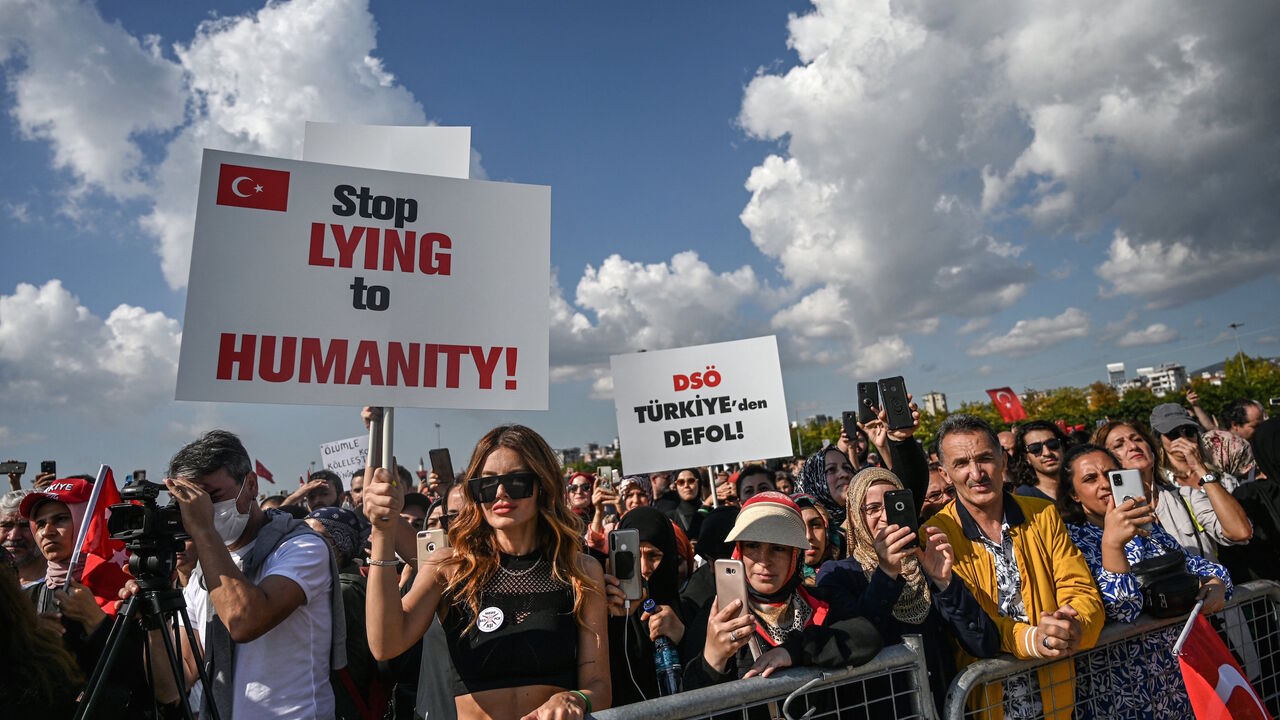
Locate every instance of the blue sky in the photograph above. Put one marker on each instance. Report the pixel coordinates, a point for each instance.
(979, 197)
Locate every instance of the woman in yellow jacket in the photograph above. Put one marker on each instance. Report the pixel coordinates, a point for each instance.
(1015, 555)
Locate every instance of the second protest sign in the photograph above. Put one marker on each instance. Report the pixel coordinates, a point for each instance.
(700, 405)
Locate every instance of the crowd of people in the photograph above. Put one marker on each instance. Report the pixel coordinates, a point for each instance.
(326, 603)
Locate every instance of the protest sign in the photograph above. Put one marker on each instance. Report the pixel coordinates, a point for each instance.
(700, 405)
(329, 285)
(423, 150)
(344, 457)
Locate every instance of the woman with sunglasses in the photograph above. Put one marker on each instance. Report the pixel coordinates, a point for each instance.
(1199, 517)
(1037, 455)
(522, 607)
(578, 494)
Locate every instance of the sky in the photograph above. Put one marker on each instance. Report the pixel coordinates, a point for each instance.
(975, 195)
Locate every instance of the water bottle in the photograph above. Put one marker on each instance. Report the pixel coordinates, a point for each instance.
(666, 659)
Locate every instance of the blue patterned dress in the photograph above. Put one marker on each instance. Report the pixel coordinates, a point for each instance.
(1138, 678)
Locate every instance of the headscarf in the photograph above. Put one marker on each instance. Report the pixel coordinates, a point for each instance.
(1266, 448)
(656, 528)
(807, 501)
(785, 611)
(714, 529)
(913, 604)
(683, 546)
(1230, 452)
(813, 481)
(344, 528)
(56, 572)
(641, 480)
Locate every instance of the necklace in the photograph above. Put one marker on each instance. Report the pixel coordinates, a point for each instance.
(526, 571)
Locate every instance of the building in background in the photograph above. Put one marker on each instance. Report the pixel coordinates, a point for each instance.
(1115, 374)
(935, 403)
(1165, 379)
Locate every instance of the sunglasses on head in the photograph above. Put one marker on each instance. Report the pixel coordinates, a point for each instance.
(1182, 431)
(519, 485)
(1035, 447)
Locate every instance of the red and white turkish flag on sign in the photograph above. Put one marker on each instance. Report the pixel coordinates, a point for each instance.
(251, 187)
(1216, 687)
(1007, 402)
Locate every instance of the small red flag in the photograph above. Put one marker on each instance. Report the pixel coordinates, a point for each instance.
(1008, 404)
(103, 558)
(1216, 687)
(262, 471)
(251, 187)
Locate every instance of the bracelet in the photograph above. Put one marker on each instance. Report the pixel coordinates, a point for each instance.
(382, 563)
(585, 699)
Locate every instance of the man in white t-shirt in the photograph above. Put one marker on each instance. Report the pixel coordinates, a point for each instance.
(261, 597)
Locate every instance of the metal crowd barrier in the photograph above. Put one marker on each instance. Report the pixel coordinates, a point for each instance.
(893, 685)
(1249, 625)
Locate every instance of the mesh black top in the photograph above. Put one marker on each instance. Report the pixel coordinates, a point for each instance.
(526, 633)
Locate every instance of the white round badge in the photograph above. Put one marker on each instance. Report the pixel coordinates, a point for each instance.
(490, 619)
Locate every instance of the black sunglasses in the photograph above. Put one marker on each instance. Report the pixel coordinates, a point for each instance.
(519, 485)
(1035, 447)
(1183, 431)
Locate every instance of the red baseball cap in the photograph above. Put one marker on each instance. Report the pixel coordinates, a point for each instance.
(67, 492)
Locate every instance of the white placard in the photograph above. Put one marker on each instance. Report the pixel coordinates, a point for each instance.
(700, 405)
(327, 285)
(344, 457)
(422, 150)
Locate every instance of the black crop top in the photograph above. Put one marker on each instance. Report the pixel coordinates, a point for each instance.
(531, 639)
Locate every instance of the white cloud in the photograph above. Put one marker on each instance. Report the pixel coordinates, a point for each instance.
(1171, 273)
(1034, 335)
(1154, 334)
(973, 325)
(54, 353)
(885, 354)
(244, 83)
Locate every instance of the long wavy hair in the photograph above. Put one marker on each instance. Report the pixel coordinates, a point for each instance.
(45, 669)
(475, 558)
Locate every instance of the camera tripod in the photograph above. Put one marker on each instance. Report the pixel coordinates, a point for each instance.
(160, 607)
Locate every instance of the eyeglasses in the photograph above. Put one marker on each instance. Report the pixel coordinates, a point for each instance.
(937, 495)
(519, 485)
(1035, 447)
(1183, 431)
(578, 488)
(872, 510)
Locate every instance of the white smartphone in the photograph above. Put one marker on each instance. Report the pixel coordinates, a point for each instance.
(429, 541)
(624, 561)
(731, 584)
(1126, 484)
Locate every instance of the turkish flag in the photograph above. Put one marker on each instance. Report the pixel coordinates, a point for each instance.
(1008, 404)
(103, 558)
(262, 471)
(251, 187)
(1215, 685)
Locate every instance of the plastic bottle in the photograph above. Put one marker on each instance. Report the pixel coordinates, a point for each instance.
(666, 659)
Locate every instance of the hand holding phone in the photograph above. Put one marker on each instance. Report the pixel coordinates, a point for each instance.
(900, 510)
(442, 466)
(1126, 485)
(897, 406)
(48, 467)
(731, 584)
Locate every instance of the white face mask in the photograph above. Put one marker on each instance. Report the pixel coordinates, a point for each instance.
(228, 521)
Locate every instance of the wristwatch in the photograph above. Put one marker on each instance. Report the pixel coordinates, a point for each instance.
(1209, 478)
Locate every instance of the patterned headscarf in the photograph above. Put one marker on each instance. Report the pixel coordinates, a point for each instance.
(813, 481)
(344, 528)
(913, 604)
(641, 480)
(1230, 452)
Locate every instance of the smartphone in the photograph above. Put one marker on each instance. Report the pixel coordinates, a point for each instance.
(442, 466)
(731, 584)
(849, 420)
(48, 467)
(15, 467)
(604, 477)
(868, 402)
(624, 560)
(430, 541)
(1127, 484)
(900, 509)
(897, 408)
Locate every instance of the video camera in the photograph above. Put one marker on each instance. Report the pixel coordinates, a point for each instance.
(152, 533)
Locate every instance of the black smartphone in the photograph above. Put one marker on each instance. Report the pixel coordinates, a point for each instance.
(442, 465)
(900, 509)
(868, 402)
(48, 467)
(15, 467)
(850, 422)
(897, 408)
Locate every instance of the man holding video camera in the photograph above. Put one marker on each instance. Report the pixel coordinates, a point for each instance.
(263, 597)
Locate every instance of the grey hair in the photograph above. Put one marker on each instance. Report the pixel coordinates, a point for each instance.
(965, 425)
(10, 501)
(215, 450)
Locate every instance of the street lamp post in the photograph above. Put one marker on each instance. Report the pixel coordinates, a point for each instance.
(1239, 353)
(437, 434)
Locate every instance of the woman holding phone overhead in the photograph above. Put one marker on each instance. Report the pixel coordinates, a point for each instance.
(790, 624)
(522, 608)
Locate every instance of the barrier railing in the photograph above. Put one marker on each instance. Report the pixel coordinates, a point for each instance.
(1249, 625)
(893, 685)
